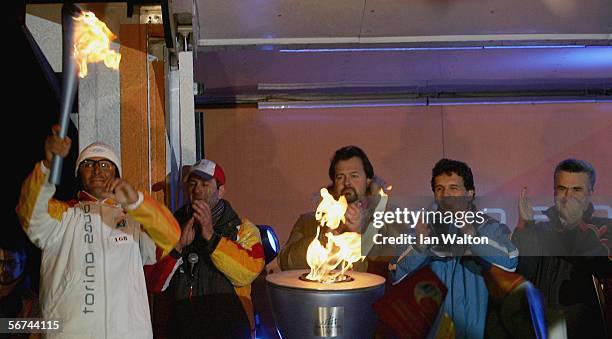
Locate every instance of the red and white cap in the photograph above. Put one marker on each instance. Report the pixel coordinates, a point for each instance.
(208, 169)
(98, 150)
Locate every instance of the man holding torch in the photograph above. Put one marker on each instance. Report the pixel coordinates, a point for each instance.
(94, 248)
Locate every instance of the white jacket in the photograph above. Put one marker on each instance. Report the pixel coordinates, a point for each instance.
(93, 253)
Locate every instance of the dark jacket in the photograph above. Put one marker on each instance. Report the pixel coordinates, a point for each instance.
(212, 296)
(207, 278)
(561, 264)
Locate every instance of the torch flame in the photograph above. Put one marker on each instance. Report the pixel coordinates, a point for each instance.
(92, 43)
(330, 211)
(329, 263)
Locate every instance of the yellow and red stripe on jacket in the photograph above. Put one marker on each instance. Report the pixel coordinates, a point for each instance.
(30, 190)
(241, 261)
(154, 218)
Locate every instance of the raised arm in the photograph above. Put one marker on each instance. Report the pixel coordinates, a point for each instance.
(39, 214)
(498, 250)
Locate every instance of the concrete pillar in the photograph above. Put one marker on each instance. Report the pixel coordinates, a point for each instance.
(187, 109)
(99, 107)
(173, 123)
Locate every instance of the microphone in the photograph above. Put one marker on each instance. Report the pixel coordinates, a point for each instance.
(193, 259)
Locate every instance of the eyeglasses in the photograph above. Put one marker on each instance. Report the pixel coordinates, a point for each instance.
(104, 165)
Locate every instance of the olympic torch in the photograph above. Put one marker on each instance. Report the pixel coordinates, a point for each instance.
(85, 39)
(69, 83)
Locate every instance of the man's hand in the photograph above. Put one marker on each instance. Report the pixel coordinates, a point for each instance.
(525, 206)
(354, 217)
(203, 216)
(187, 235)
(54, 145)
(121, 191)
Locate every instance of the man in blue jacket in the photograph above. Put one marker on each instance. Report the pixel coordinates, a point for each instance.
(459, 264)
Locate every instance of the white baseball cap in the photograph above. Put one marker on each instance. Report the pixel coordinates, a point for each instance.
(95, 150)
(208, 169)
